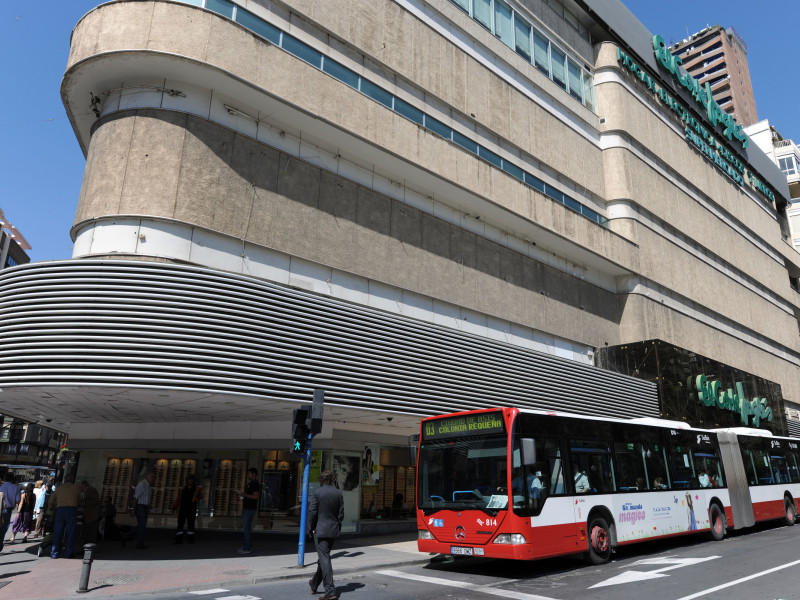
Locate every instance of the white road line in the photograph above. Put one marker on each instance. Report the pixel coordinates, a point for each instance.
(215, 591)
(742, 580)
(484, 589)
(239, 598)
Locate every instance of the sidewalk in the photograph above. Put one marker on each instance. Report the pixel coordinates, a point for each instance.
(210, 562)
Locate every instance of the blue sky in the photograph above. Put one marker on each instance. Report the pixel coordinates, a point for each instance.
(42, 164)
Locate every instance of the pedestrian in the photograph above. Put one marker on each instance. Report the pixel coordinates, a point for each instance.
(24, 521)
(325, 516)
(11, 497)
(141, 508)
(38, 492)
(90, 500)
(186, 503)
(66, 499)
(39, 509)
(108, 527)
(249, 498)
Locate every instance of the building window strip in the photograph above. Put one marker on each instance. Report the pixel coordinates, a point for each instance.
(515, 32)
(315, 58)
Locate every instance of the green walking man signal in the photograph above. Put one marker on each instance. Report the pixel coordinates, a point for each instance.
(307, 420)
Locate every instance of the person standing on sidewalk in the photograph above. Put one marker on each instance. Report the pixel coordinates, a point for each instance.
(249, 498)
(141, 508)
(66, 499)
(11, 498)
(90, 500)
(40, 508)
(186, 503)
(325, 516)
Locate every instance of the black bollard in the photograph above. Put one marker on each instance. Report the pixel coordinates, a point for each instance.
(88, 550)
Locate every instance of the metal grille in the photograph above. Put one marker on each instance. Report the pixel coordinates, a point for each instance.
(143, 324)
(793, 428)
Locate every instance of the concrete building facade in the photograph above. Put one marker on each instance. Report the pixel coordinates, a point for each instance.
(419, 207)
(718, 56)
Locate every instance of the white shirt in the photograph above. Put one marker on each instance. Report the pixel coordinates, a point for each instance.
(143, 492)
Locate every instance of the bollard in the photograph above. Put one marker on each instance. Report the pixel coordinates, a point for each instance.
(88, 550)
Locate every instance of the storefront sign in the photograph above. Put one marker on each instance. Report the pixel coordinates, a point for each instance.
(695, 131)
(716, 116)
(710, 393)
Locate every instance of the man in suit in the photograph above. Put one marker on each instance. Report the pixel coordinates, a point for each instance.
(326, 513)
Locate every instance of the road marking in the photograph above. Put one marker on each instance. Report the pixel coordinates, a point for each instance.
(672, 563)
(742, 580)
(239, 598)
(215, 591)
(485, 589)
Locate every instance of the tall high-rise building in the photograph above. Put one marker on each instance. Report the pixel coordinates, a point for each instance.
(718, 56)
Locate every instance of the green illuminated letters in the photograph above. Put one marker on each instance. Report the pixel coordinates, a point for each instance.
(710, 393)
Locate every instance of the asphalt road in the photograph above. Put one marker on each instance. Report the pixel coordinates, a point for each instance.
(761, 564)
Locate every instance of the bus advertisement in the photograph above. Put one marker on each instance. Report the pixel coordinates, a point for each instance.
(522, 484)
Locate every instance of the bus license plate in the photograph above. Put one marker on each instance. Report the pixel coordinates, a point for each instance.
(458, 551)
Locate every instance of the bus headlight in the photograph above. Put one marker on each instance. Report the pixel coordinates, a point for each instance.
(510, 538)
(424, 534)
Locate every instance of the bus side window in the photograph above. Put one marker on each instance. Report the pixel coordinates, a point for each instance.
(630, 467)
(555, 464)
(762, 466)
(749, 466)
(591, 466)
(778, 461)
(656, 461)
(794, 472)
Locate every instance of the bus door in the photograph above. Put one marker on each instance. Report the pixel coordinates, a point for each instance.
(592, 473)
(738, 488)
(550, 506)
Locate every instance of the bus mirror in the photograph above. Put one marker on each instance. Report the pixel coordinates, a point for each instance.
(528, 451)
(413, 441)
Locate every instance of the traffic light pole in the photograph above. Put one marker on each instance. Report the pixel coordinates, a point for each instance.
(306, 423)
(301, 545)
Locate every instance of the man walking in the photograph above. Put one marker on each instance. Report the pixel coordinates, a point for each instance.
(186, 503)
(325, 516)
(249, 506)
(65, 499)
(90, 500)
(141, 498)
(11, 497)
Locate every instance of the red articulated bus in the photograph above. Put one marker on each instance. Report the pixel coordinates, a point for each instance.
(523, 484)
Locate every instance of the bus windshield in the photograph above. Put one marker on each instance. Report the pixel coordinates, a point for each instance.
(464, 473)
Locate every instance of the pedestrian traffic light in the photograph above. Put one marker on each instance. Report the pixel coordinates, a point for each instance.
(300, 429)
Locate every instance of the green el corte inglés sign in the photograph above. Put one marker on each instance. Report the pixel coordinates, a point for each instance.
(695, 131)
(710, 393)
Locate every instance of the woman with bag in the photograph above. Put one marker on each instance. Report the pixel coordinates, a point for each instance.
(24, 520)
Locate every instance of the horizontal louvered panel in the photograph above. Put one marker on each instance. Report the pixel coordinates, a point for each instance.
(85, 323)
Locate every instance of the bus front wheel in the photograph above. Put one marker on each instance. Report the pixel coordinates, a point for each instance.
(599, 542)
(791, 514)
(717, 522)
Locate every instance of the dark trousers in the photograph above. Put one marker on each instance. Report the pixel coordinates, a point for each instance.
(141, 525)
(90, 532)
(187, 517)
(6, 518)
(65, 524)
(324, 572)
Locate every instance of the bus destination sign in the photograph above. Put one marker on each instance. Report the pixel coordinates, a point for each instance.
(479, 424)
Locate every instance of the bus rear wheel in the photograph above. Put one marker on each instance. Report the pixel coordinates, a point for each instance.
(599, 542)
(717, 522)
(791, 514)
